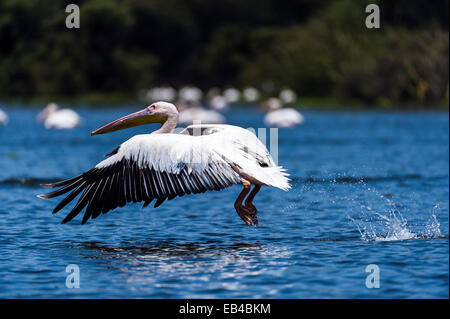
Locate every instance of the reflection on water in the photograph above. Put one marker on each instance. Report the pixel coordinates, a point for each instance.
(210, 266)
(172, 248)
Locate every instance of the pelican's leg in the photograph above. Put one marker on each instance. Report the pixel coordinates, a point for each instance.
(251, 209)
(242, 212)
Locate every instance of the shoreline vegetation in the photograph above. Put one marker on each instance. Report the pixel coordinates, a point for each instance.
(322, 50)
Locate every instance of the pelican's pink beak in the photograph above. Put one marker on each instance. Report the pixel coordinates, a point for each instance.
(142, 117)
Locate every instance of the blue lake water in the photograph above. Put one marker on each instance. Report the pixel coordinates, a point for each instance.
(368, 188)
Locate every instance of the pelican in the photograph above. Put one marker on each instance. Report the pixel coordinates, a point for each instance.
(288, 96)
(3, 118)
(190, 93)
(231, 95)
(163, 165)
(218, 103)
(199, 114)
(191, 111)
(281, 117)
(164, 93)
(251, 94)
(60, 119)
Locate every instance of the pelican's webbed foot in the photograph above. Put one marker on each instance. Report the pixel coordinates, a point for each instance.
(250, 212)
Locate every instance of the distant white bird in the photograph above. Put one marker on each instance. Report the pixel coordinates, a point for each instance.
(60, 119)
(218, 103)
(232, 95)
(190, 94)
(288, 96)
(163, 165)
(281, 117)
(200, 115)
(251, 94)
(166, 93)
(3, 118)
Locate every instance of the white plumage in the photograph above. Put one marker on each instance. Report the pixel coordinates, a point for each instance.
(251, 94)
(232, 95)
(199, 114)
(3, 118)
(64, 119)
(285, 117)
(218, 144)
(218, 103)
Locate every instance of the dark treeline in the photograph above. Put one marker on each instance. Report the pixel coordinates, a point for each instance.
(319, 48)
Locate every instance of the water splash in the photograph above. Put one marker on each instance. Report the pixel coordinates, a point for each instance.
(432, 229)
(378, 216)
(397, 228)
(393, 226)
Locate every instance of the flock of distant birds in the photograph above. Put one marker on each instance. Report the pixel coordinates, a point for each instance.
(189, 103)
(190, 107)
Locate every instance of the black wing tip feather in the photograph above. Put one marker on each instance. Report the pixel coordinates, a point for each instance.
(65, 221)
(159, 202)
(147, 202)
(113, 152)
(104, 189)
(62, 182)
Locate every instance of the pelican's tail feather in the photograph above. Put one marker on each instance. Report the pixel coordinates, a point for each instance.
(276, 176)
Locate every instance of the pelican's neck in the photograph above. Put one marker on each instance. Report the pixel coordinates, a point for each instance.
(169, 125)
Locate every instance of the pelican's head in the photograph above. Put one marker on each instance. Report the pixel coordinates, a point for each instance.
(273, 104)
(157, 112)
(49, 109)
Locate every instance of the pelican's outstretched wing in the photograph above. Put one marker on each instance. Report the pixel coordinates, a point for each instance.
(144, 168)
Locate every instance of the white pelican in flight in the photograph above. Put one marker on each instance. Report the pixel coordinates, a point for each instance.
(60, 119)
(3, 118)
(282, 117)
(163, 165)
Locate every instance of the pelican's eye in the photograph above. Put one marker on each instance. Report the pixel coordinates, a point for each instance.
(152, 108)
